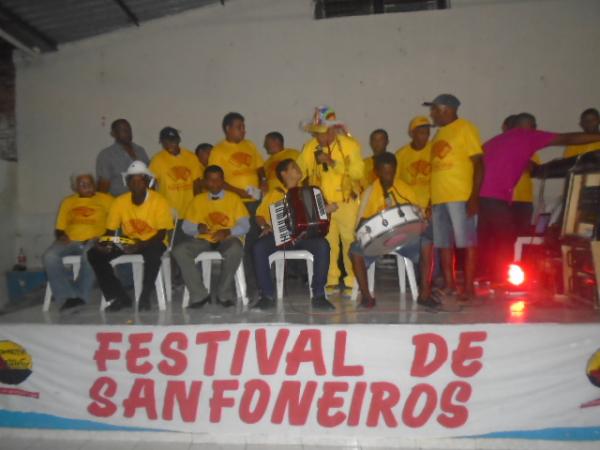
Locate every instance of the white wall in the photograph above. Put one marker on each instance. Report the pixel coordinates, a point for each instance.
(271, 61)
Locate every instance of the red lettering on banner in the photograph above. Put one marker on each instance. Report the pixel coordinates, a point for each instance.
(187, 402)
(136, 351)
(358, 397)
(141, 396)
(289, 399)
(340, 369)
(104, 352)
(102, 389)
(408, 413)
(268, 363)
(385, 397)
(454, 415)
(301, 354)
(465, 352)
(328, 401)
(171, 348)
(239, 355)
(218, 400)
(212, 339)
(421, 367)
(252, 387)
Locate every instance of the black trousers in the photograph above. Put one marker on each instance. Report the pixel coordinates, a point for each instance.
(496, 238)
(109, 283)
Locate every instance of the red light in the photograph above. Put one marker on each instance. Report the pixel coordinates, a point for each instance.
(516, 275)
(517, 307)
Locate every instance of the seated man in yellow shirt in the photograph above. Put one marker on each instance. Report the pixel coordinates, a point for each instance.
(589, 123)
(289, 175)
(218, 220)
(144, 216)
(378, 141)
(81, 219)
(274, 145)
(386, 192)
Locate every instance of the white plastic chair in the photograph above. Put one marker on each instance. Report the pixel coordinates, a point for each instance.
(165, 262)
(406, 269)
(206, 258)
(279, 259)
(75, 262)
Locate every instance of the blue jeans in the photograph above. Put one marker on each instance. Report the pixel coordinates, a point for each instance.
(61, 279)
(452, 227)
(265, 247)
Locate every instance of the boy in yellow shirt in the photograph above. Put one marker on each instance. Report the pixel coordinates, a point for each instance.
(378, 141)
(274, 145)
(218, 220)
(177, 171)
(144, 216)
(589, 123)
(385, 192)
(456, 176)
(81, 219)
(289, 175)
(332, 161)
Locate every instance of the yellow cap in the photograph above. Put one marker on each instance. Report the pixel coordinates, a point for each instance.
(418, 121)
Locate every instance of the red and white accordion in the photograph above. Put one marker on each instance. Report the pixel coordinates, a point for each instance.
(300, 215)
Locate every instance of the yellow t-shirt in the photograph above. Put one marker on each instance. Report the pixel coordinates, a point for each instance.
(84, 218)
(523, 191)
(175, 176)
(451, 165)
(274, 195)
(414, 168)
(240, 163)
(574, 150)
(401, 192)
(220, 214)
(140, 221)
(271, 165)
(369, 175)
(340, 182)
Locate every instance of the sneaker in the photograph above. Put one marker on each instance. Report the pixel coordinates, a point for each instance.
(367, 303)
(264, 303)
(118, 304)
(200, 304)
(322, 303)
(226, 303)
(71, 303)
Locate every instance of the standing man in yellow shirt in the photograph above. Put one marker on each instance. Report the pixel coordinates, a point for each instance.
(274, 145)
(218, 220)
(414, 168)
(177, 171)
(378, 141)
(243, 166)
(144, 216)
(589, 123)
(203, 154)
(81, 219)
(332, 161)
(456, 176)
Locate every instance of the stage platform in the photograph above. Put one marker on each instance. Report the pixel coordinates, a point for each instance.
(518, 372)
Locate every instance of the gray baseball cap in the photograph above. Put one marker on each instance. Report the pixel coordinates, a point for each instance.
(444, 100)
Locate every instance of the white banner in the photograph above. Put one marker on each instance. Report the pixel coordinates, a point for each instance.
(519, 381)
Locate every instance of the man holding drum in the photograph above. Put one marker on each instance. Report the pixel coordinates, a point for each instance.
(385, 194)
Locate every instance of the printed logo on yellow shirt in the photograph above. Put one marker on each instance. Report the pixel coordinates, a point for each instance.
(441, 149)
(180, 173)
(82, 211)
(240, 159)
(141, 227)
(420, 167)
(218, 218)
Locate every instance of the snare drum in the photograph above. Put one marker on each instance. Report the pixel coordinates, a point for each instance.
(390, 229)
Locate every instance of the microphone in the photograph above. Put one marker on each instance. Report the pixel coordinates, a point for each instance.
(319, 152)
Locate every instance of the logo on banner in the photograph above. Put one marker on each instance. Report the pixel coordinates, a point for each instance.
(592, 370)
(15, 367)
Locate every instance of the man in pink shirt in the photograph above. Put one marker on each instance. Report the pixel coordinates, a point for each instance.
(506, 157)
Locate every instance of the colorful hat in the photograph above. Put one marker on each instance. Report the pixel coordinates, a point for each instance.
(323, 118)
